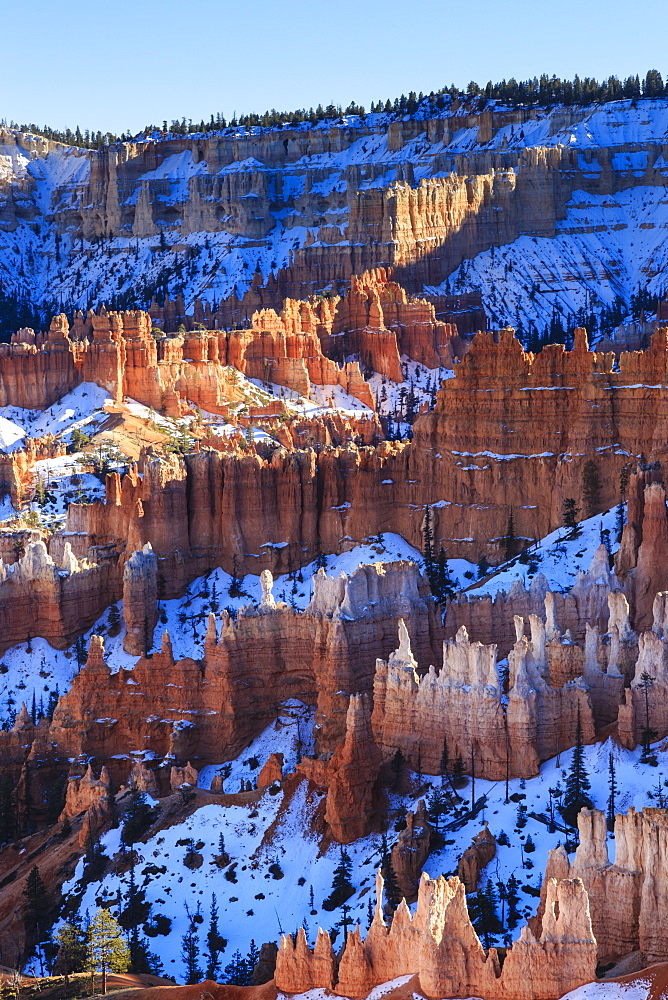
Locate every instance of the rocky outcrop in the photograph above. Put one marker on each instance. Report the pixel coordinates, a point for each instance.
(628, 897)
(140, 600)
(440, 946)
(644, 552)
(476, 857)
(207, 711)
(55, 600)
(180, 776)
(354, 773)
(646, 701)
(411, 851)
(84, 792)
(271, 771)
(462, 707)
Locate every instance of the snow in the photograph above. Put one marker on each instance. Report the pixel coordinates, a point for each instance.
(212, 265)
(639, 989)
(185, 618)
(78, 408)
(556, 556)
(605, 247)
(273, 830)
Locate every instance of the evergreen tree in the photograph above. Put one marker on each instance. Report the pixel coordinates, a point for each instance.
(483, 567)
(482, 910)
(138, 817)
(114, 619)
(437, 806)
(136, 910)
(392, 890)
(570, 517)
(647, 734)
(35, 904)
(94, 859)
(509, 541)
(342, 887)
(215, 943)
(612, 790)
(107, 949)
(513, 900)
(576, 794)
(430, 566)
(71, 955)
(190, 950)
(591, 489)
(240, 970)
(444, 584)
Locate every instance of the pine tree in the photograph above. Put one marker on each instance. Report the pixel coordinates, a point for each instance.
(612, 787)
(513, 900)
(138, 817)
(190, 951)
(482, 911)
(342, 887)
(71, 955)
(647, 734)
(35, 903)
(509, 541)
(591, 488)
(570, 518)
(136, 910)
(215, 943)
(392, 890)
(430, 566)
(114, 619)
(107, 949)
(436, 807)
(576, 794)
(240, 970)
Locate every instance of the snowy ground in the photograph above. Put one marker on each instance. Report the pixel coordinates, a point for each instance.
(556, 556)
(82, 408)
(639, 989)
(266, 887)
(605, 248)
(185, 618)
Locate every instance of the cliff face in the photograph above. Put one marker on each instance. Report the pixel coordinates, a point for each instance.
(326, 202)
(198, 711)
(511, 433)
(440, 945)
(628, 897)
(306, 344)
(463, 707)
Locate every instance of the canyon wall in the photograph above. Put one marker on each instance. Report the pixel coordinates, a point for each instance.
(440, 946)
(628, 898)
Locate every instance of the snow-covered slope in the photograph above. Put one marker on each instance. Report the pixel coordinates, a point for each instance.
(604, 250)
(278, 876)
(48, 255)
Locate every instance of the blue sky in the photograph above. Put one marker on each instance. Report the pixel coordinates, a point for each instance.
(121, 65)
